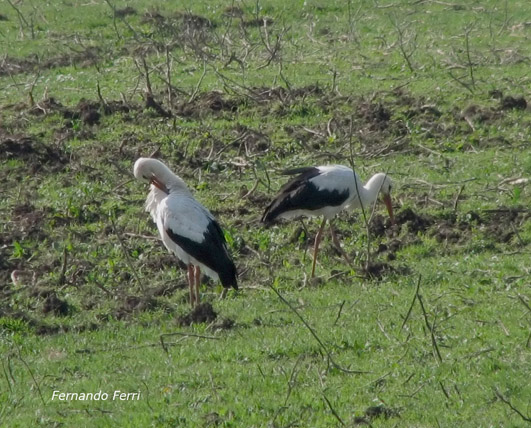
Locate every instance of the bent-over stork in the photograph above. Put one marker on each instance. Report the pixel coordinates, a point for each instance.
(186, 227)
(325, 191)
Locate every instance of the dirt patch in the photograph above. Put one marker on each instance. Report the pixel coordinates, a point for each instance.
(380, 225)
(414, 222)
(377, 270)
(501, 225)
(375, 113)
(479, 114)
(233, 12)
(193, 22)
(223, 324)
(250, 141)
(510, 103)
(202, 313)
(188, 30)
(28, 222)
(88, 112)
(206, 103)
(375, 412)
(126, 11)
(167, 290)
(258, 22)
(54, 305)
(263, 94)
(134, 304)
(84, 58)
(34, 153)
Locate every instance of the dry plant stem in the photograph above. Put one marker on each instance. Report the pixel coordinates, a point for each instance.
(21, 19)
(62, 275)
(30, 93)
(365, 220)
(339, 312)
(32, 376)
(146, 76)
(514, 409)
(506, 18)
(314, 334)
(100, 97)
(470, 65)
(113, 8)
(522, 300)
(456, 200)
(402, 42)
(412, 303)
(333, 410)
(9, 379)
(196, 89)
(169, 64)
(352, 18)
(465, 85)
(127, 256)
(179, 333)
(431, 330)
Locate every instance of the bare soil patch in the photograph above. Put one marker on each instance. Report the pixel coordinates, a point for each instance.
(87, 57)
(35, 154)
(202, 313)
(206, 103)
(499, 226)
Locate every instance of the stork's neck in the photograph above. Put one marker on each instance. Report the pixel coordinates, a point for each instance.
(176, 185)
(369, 191)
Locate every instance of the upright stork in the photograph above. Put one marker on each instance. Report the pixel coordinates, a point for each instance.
(325, 191)
(186, 227)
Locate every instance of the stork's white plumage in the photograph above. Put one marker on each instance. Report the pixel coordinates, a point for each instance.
(186, 227)
(325, 191)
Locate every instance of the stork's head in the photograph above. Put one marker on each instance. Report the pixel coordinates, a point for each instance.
(154, 172)
(383, 184)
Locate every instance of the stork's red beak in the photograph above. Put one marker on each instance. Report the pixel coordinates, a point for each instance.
(158, 184)
(389, 205)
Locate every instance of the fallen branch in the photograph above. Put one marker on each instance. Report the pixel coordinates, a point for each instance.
(184, 334)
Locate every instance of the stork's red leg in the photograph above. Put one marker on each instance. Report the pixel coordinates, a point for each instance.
(197, 283)
(316, 245)
(336, 242)
(191, 283)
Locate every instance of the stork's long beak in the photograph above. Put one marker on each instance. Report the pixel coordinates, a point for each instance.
(389, 205)
(158, 184)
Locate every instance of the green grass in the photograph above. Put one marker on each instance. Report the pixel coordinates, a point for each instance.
(97, 295)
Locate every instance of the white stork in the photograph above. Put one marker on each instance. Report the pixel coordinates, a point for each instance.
(325, 191)
(186, 227)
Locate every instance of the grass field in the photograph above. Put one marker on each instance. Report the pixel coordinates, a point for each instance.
(429, 327)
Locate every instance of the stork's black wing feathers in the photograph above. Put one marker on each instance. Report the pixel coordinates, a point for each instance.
(212, 252)
(302, 194)
(306, 173)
